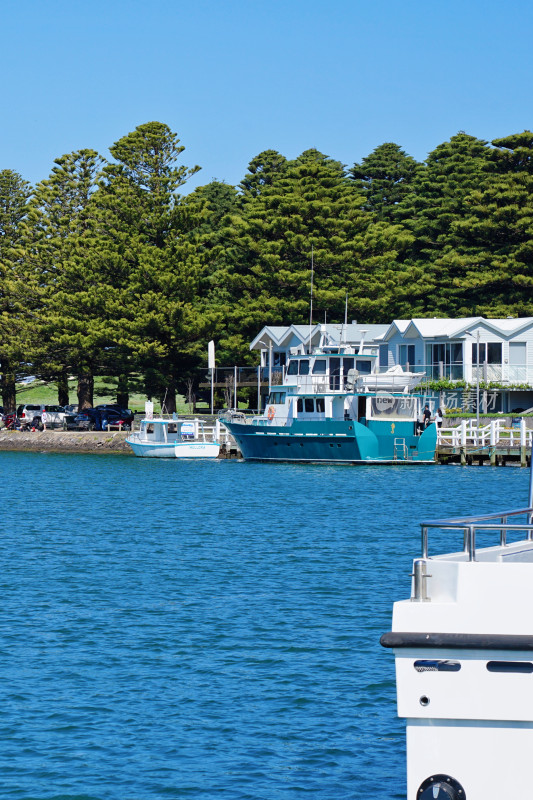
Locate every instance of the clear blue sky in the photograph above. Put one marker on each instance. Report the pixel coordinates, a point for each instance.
(235, 77)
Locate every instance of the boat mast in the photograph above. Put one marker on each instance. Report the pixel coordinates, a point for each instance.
(311, 300)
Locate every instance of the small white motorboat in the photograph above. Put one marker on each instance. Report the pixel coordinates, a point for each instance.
(172, 438)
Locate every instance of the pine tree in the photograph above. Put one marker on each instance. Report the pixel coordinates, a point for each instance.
(16, 295)
(384, 178)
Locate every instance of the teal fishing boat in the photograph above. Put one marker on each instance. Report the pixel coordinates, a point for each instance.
(335, 406)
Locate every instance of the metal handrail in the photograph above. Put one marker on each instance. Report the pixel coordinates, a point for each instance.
(481, 522)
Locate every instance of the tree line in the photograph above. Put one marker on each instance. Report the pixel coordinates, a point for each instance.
(108, 269)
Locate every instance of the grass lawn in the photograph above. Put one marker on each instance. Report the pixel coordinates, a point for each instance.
(46, 393)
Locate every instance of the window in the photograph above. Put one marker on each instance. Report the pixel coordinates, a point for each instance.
(384, 355)
(491, 352)
(320, 406)
(364, 367)
(276, 398)
(319, 367)
(309, 405)
(406, 354)
(278, 359)
(300, 405)
(334, 373)
(298, 366)
(445, 360)
(347, 365)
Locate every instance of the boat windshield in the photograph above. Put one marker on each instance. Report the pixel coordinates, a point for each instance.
(276, 398)
(298, 367)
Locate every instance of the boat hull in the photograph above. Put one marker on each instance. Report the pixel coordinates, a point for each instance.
(336, 442)
(175, 449)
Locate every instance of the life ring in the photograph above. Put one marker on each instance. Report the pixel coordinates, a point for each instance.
(271, 413)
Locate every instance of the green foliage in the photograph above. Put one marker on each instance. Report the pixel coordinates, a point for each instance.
(107, 269)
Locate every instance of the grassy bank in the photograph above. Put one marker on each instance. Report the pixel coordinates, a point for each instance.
(38, 391)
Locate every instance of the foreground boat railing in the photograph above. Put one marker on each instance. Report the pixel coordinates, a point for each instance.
(483, 522)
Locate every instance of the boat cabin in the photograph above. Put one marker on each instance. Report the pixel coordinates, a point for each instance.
(163, 431)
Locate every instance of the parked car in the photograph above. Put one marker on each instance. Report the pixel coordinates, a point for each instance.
(32, 415)
(76, 422)
(99, 417)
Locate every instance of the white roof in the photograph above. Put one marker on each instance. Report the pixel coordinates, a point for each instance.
(455, 328)
(351, 333)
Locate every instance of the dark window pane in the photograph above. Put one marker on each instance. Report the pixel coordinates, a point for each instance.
(309, 405)
(494, 353)
(347, 364)
(364, 367)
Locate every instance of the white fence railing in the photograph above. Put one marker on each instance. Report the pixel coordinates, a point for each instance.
(494, 434)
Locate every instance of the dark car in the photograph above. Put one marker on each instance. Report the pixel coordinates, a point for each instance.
(77, 422)
(99, 417)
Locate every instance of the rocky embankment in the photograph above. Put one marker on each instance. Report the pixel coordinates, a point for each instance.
(56, 441)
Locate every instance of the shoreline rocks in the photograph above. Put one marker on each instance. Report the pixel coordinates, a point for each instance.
(58, 441)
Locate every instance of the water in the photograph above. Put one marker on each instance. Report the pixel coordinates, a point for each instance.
(210, 630)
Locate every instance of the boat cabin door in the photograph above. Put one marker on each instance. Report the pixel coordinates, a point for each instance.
(361, 409)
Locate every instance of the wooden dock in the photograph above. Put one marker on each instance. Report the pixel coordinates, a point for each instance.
(495, 444)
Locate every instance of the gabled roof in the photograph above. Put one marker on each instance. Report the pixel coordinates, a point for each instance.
(352, 333)
(438, 328)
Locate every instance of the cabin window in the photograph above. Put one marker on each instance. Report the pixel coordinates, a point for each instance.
(334, 373)
(276, 398)
(293, 368)
(304, 366)
(320, 405)
(278, 359)
(347, 365)
(309, 405)
(384, 355)
(300, 405)
(364, 367)
(319, 367)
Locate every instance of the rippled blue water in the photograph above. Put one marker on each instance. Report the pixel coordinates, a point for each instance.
(209, 630)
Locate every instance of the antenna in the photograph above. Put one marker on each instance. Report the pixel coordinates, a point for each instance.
(343, 332)
(311, 303)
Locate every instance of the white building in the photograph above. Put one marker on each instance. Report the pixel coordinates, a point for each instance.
(494, 355)
(497, 354)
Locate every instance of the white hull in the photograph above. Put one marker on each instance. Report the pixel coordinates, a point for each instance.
(175, 450)
(464, 665)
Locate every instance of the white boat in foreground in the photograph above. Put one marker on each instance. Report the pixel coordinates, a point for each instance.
(463, 645)
(172, 438)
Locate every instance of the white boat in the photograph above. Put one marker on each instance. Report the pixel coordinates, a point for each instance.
(463, 645)
(172, 438)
